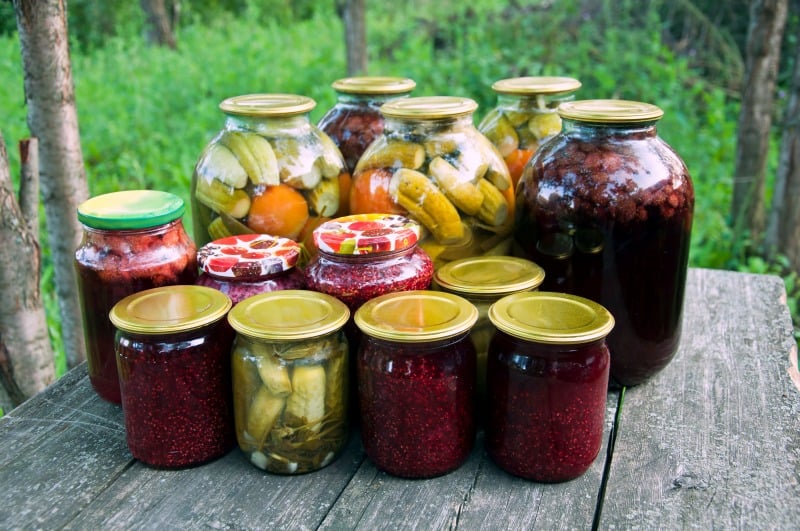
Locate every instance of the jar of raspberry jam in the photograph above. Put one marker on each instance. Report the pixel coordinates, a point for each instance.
(416, 382)
(290, 380)
(173, 348)
(248, 264)
(606, 208)
(547, 379)
(132, 241)
(355, 120)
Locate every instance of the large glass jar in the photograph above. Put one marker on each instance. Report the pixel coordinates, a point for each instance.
(525, 116)
(547, 382)
(355, 120)
(173, 348)
(432, 164)
(290, 379)
(132, 241)
(416, 382)
(606, 208)
(269, 171)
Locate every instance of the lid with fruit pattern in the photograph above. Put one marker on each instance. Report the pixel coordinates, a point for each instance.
(366, 234)
(248, 256)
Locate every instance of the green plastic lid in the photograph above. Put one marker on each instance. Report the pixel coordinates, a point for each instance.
(131, 209)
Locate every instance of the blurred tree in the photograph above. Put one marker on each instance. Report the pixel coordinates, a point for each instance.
(353, 14)
(162, 17)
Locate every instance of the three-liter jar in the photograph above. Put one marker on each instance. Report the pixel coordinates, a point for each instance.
(606, 208)
(248, 264)
(268, 171)
(433, 165)
(416, 382)
(525, 116)
(355, 120)
(173, 349)
(290, 379)
(132, 241)
(547, 380)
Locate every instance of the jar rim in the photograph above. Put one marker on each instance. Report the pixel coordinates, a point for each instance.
(429, 107)
(532, 85)
(374, 85)
(267, 105)
(248, 256)
(610, 111)
(489, 275)
(130, 209)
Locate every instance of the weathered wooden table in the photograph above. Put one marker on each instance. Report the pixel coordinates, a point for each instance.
(713, 441)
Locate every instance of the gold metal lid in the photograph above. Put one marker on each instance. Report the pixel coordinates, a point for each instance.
(169, 309)
(532, 85)
(288, 315)
(489, 275)
(416, 316)
(431, 107)
(374, 85)
(267, 105)
(555, 318)
(610, 111)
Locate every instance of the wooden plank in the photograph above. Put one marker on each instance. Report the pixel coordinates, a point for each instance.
(712, 441)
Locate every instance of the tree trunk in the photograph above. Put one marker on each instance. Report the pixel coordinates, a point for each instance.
(159, 23)
(26, 356)
(764, 35)
(355, 36)
(53, 119)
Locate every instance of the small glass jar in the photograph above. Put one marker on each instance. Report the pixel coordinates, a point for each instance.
(547, 380)
(173, 348)
(269, 171)
(290, 380)
(355, 120)
(249, 264)
(132, 241)
(525, 116)
(606, 208)
(433, 165)
(416, 382)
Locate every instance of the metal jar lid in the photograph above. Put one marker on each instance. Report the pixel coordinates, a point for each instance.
(374, 85)
(169, 309)
(416, 316)
(489, 276)
(248, 256)
(533, 85)
(288, 315)
(130, 209)
(610, 111)
(429, 107)
(267, 105)
(360, 234)
(555, 318)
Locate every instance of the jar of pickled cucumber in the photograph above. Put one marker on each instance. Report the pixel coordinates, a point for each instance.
(132, 241)
(525, 116)
(433, 165)
(290, 379)
(355, 120)
(268, 171)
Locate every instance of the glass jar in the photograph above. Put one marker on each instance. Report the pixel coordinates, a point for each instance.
(606, 208)
(269, 171)
(433, 165)
(416, 382)
(132, 241)
(249, 264)
(547, 379)
(173, 348)
(525, 116)
(355, 120)
(290, 380)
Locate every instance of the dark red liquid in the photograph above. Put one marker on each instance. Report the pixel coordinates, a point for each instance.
(353, 126)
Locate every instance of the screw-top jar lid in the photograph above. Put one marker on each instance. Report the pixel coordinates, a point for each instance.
(532, 85)
(489, 275)
(248, 256)
(416, 316)
(374, 85)
(169, 309)
(130, 209)
(288, 315)
(267, 105)
(610, 111)
(430, 107)
(555, 318)
(366, 234)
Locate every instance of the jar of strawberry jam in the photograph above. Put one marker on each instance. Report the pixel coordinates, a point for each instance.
(416, 382)
(132, 241)
(547, 379)
(606, 208)
(173, 348)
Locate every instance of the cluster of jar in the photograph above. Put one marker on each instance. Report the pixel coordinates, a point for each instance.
(362, 270)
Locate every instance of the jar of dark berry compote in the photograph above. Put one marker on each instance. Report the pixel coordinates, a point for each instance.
(416, 382)
(547, 379)
(132, 241)
(173, 348)
(606, 208)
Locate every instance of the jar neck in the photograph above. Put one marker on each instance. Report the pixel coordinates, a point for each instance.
(532, 102)
(623, 130)
(93, 233)
(367, 258)
(243, 279)
(395, 126)
(370, 99)
(294, 124)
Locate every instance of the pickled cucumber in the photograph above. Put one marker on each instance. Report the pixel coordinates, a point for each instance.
(306, 404)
